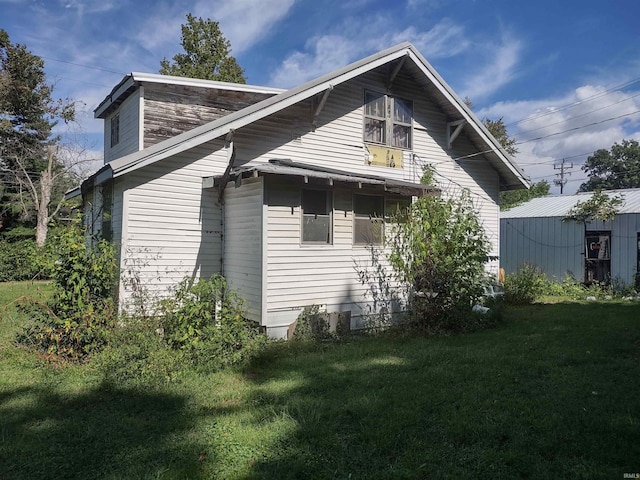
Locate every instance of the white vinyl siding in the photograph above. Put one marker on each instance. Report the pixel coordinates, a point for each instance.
(302, 275)
(337, 142)
(243, 243)
(129, 127)
(171, 226)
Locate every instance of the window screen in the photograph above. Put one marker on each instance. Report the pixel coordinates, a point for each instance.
(368, 223)
(316, 216)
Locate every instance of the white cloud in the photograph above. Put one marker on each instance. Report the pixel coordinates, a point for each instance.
(243, 22)
(326, 54)
(246, 22)
(357, 39)
(497, 71)
(570, 127)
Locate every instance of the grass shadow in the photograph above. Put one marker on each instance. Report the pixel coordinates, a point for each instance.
(551, 394)
(101, 433)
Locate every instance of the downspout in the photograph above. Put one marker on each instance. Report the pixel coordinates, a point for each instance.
(231, 156)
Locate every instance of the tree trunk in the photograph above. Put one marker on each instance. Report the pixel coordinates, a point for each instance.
(42, 214)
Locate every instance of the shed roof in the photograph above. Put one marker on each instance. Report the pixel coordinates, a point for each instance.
(559, 205)
(130, 82)
(286, 167)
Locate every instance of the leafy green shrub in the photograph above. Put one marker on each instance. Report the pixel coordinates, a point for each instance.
(439, 250)
(23, 260)
(525, 285)
(77, 319)
(137, 355)
(311, 325)
(205, 320)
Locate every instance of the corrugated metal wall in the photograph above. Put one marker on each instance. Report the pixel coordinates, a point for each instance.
(557, 247)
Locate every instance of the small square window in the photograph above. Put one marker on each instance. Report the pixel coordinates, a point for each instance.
(316, 216)
(368, 222)
(115, 130)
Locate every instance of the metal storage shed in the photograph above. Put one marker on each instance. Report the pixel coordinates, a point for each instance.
(535, 233)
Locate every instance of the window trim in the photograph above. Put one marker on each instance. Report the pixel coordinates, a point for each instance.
(330, 202)
(389, 119)
(380, 219)
(115, 132)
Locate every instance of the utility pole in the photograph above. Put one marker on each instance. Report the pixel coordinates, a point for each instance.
(562, 181)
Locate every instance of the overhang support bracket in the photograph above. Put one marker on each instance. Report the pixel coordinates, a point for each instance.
(396, 71)
(457, 126)
(320, 106)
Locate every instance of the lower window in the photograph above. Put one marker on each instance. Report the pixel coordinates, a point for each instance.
(316, 216)
(368, 223)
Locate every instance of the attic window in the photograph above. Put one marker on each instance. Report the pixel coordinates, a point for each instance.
(115, 130)
(388, 120)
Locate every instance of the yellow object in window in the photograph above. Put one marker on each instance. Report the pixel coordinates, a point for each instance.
(384, 157)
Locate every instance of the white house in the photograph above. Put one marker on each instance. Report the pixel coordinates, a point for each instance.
(535, 233)
(282, 191)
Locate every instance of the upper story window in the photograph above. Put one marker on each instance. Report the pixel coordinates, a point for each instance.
(115, 130)
(316, 216)
(388, 120)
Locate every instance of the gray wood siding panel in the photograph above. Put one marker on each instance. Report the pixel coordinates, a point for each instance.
(243, 243)
(129, 113)
(174, 109)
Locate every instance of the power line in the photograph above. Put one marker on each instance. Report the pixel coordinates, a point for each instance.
(576, 128)
(578, 116)
(82, 65)
(580, 102)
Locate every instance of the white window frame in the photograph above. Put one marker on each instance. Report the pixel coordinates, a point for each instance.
(372, 219)
(329, 215)
(115, 130)
(387, 118)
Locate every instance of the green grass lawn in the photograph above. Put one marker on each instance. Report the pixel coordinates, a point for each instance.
(554, 392)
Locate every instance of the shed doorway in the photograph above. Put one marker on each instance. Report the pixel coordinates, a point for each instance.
(597, 256)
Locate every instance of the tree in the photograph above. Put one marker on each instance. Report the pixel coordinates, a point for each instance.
(439, 249)
(618, 168)
(600, 207)
(512, 198)
(498, 129)
(207, 54)
(31, 171)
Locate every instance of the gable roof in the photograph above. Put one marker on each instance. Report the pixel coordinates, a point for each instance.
(511, 177)
(559, 205)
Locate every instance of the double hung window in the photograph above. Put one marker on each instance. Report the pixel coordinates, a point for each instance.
(368, 222)
(316, 216)
(388, 120)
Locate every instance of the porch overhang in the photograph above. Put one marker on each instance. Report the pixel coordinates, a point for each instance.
(285, 167)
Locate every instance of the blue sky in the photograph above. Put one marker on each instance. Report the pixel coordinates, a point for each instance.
(558, 72)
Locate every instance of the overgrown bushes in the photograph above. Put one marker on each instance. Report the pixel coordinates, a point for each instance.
(529, 284)
(202, 326)
(524, 286)
(77, 319)
(438, 249)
